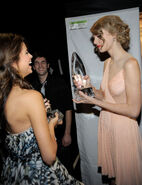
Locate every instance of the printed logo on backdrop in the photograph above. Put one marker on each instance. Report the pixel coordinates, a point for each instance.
(80, 24)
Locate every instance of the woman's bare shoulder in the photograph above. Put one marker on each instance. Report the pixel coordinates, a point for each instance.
(31, 92)
(131, 64)
(132, 69)
(31, 95)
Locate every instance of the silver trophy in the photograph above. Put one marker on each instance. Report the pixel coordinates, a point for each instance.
(78, 73)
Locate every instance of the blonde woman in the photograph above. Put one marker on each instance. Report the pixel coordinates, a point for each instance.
(119, 139)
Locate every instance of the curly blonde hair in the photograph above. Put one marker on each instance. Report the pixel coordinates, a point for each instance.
(115, 26)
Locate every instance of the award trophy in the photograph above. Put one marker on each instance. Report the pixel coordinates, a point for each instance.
(78, 73)
(51, 113)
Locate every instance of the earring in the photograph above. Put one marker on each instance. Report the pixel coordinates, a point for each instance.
(114, 39)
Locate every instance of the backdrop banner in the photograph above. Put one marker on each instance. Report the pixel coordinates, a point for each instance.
(79, 42)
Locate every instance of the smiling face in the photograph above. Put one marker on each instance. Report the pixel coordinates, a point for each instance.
(23, 64)
(110, 27)
(41, 66)
(105, 43)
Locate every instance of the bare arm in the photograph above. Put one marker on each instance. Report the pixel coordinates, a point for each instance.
(133, 92)
(67, 135)
(98, 93)
(68, 121)
(44, 131)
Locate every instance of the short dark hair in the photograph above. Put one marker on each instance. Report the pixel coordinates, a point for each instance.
(39, 54)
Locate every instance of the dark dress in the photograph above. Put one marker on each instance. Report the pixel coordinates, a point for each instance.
(24, 165)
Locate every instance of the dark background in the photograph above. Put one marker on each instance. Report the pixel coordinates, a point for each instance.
(42, 23)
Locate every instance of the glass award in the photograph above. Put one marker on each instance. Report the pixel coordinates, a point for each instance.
(78, 73)
(51, 114)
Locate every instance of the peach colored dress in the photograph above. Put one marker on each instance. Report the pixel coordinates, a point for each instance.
(119, 138)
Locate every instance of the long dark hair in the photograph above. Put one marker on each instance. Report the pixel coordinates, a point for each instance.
(10, 48)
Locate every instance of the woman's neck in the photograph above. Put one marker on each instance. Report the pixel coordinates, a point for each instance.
(117, 53)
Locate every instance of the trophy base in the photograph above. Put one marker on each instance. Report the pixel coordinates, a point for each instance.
(89, 91)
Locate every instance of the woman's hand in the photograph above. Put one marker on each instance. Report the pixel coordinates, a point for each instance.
(81, 81)
(47, 104)
(55, 120)
(85, 99)
(77, 81)
(87, 80)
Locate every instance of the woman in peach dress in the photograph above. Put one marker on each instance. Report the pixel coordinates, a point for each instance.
(119, 138)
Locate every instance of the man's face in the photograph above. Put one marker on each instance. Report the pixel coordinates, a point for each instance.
(41, 66)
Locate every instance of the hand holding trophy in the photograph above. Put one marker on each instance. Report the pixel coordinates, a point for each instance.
(80, 80)
(51, 113)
